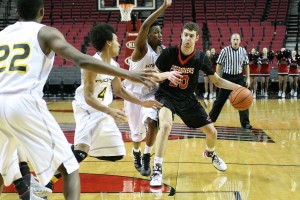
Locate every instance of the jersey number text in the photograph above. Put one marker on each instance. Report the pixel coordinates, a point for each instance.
(183, 83)
(19, 52)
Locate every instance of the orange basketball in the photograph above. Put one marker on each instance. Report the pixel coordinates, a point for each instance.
(241, 98)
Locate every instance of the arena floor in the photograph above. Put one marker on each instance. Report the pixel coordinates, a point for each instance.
(263, 163)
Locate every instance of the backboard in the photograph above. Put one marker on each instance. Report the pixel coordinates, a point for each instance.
(112, 5)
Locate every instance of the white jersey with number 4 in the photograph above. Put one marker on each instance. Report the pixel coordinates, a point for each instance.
(103, 89)
(96, 129)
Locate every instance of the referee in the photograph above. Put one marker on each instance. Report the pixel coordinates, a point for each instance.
(231, 62)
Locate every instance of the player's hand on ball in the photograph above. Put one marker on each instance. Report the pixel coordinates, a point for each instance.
(151, 104)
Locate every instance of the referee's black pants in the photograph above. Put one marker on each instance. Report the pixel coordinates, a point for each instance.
(223, 96)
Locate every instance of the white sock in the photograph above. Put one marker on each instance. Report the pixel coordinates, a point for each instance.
(158, 160)
(136, 150)
(147, 149)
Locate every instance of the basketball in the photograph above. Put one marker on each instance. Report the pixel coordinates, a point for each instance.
(241, 98)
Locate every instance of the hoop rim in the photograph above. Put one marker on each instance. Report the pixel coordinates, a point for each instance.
(126, 6)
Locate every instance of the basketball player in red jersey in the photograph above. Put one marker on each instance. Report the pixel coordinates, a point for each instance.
(180, 98)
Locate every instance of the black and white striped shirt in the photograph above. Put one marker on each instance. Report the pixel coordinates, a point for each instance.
(233, 60)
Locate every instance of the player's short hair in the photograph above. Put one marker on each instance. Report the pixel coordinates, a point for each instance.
(191, 26)
(100, 34)
(153, 25)
(28, 9)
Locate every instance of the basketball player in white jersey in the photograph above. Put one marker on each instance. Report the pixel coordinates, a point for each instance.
(96, 132)
(27, 52)
(143, 121)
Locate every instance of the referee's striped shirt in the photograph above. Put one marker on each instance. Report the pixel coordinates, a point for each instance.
(232, 60)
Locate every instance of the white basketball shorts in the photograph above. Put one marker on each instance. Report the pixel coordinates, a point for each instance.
(99, 131)
(137, 119)
(26, 121)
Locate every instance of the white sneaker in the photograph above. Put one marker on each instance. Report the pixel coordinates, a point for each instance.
(254, 95)
(292, 92)
(279, 93)
(37, 188)
(210, 96)
(218, 163)
(283, 95)
(205, 95)
(156, 178)
(295, 94)
(214, 95)
(262, 92)
(32, 197)
(266, 94)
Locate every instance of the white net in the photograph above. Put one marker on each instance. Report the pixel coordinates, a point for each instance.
(125, 10)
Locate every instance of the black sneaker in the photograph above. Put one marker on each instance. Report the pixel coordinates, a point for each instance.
(145, 169)
(137, 160)
(247, 126)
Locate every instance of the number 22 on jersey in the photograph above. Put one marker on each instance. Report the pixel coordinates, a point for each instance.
(10, 57)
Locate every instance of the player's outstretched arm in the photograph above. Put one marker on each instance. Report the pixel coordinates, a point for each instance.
(124, 94)
(141, 41)
(52, 39)
(172, 76)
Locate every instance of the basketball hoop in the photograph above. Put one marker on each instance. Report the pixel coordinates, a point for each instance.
(125, 10)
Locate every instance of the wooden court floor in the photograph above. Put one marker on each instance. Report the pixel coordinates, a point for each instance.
(263, 163)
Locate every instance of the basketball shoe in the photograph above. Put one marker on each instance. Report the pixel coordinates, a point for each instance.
(37, 188)
(218, 163)
(137, 160)
(156, 178)
(145, 169)
(31, 196)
